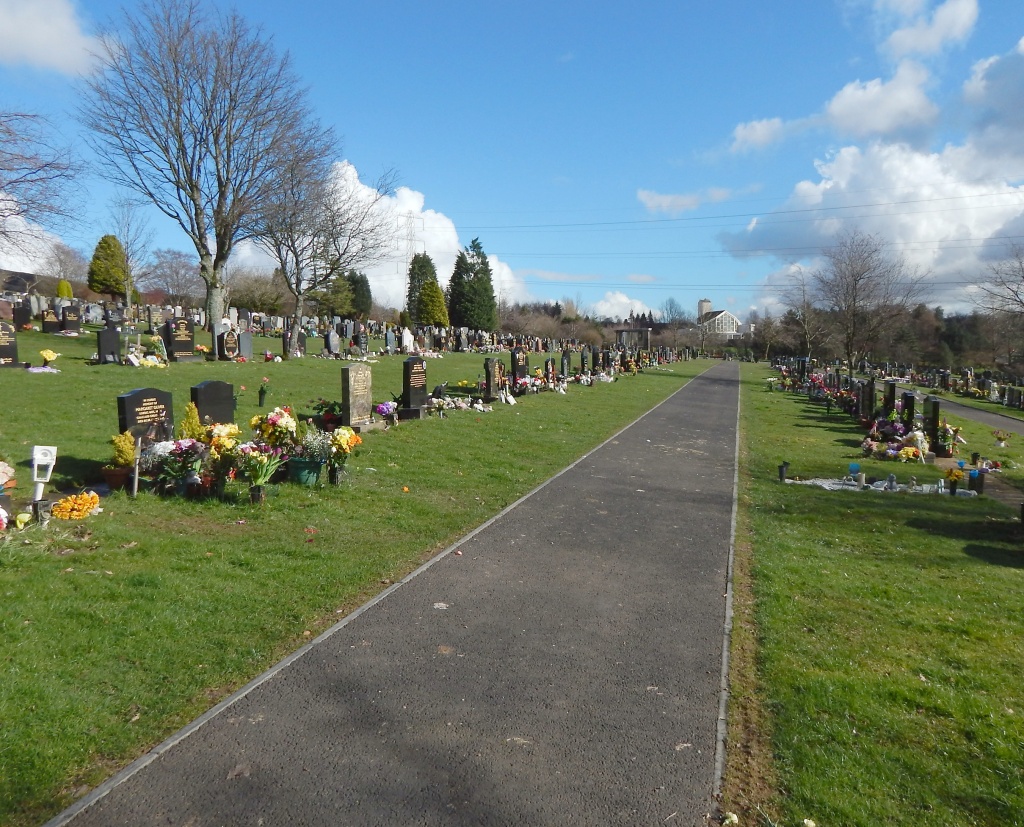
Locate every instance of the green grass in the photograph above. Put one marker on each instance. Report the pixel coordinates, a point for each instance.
(890, 630)
(119, 630)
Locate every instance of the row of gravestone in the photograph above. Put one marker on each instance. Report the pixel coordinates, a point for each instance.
(179, 342)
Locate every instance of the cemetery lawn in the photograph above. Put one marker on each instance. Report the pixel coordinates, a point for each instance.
(120, 629)
(878, 640)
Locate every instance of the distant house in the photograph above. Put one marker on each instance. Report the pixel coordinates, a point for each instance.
(720, 323)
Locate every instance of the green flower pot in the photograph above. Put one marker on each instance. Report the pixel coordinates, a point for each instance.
(304, 471)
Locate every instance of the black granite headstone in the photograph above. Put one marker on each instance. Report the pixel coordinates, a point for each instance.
(414, 388)
(180, 339)
(494, 377)
(22, 317)
(566, 362)
(215, 401)
(144, 408)
(520, 364)
(227, 346)
(51, 324)
(8, 346)
(108, 346)
(71, 319)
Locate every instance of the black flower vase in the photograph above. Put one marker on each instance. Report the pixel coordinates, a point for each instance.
(263, 396)
(952, 488)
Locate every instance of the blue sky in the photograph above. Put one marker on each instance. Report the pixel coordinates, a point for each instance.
(622, 154)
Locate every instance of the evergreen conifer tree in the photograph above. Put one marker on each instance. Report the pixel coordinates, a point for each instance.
(421, 270)
(431, 309)
(107, 269)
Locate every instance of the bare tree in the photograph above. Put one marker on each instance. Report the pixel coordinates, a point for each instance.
(807, 324)
(176, 274)
(322, 222)
(258, 290)
(194, 114)
(132, 230)
(35, 174)
(64, 262)
(864, 290)
(1003, 290)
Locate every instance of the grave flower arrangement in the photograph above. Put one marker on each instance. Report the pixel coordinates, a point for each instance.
(276, 428)
(342, 442)
(185, 459)
(6, 476)
(386, 408)
(1002, 437)
(259, 462)
(328, 412)
(311, 443)
(48, 356)
(77, 506)
(954, 475)
(223, 441)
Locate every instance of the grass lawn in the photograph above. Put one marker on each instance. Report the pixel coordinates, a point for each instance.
(879, 641)
(120, 629)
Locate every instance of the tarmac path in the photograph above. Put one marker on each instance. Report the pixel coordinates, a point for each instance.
(565, 668)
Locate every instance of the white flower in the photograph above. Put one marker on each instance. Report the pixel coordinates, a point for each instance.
(808, 823)
(731, 818)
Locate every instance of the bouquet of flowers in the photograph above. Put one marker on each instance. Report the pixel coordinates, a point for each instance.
(386, 408)
(314, 444)
(343, 440)
(1001, 436)
(954, 474)
(223, 441)
(185, 459)
(259, 462)
(76, 506)
(276, 428)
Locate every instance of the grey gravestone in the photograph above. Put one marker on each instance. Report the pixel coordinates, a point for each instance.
(298, 344)
(348, 328)
(585, 359)
(51, 324)
(8, 346)
(108, 346)
(245, 345)
(114, 317)
(227, 346)
(144, 408)
(414, 388)
(332, 342)
(356, 395)
(566, 362)
(180, 339)
(363, 342)
(494, 377)
(520, 364)
(71, 319)
(215, 401)
(389, 339)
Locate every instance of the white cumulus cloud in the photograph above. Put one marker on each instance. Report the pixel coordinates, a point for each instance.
(617, 305)
(43, 33)
(953, 21)
(757, 134)
(883, 108)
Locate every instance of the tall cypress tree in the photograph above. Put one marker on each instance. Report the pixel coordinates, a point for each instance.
(362, 297)
(421, 270)
(471, 300)
(431, 309)
(107, 269)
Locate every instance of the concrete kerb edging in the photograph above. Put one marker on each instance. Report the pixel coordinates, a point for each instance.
(143, 761)
(723, 691)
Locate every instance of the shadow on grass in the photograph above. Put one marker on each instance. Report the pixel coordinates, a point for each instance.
(984, 540)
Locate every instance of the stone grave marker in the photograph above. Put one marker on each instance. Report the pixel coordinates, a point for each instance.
(549, 371)
(332, 343)
(180, 339)
(22, 316)
(520, 364)
(51, 324)
(108, 346)
(584, 359)
(566, 362)
(8, 346)
(215, 401)
(113, 317)
(414, 388)
(356, 395)
(463, 342)
(931, 421)
(71, 319)
(389, 340)
(907, 414)
(144, 408)
(227, 346)
(363, 342)
(889, 399)
(245, 345)
(494, 378)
